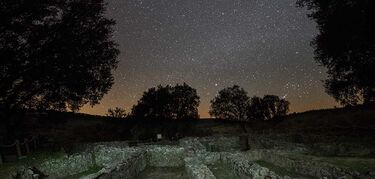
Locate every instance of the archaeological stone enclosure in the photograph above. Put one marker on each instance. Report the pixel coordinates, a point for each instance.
(193, 158)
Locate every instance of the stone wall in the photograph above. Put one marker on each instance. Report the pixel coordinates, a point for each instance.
(194, 154)
(221, 143)
(301, 164)
(67, 165)
(248, 169)
(165, 156)
(99, 155)
(126, 169)
(199, 155)
(109, 155)
(192, 144)
(197, 170)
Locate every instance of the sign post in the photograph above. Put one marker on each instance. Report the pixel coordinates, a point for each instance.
(1, 159)
(159, 137)
(18, 149)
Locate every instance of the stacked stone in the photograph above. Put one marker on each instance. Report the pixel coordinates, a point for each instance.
(165, 156)
(249, 169)
(67, 165)
(302, 164)
(108, 155)
(126, 169)
(196, 169)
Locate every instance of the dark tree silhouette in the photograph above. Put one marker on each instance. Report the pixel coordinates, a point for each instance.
(155, 103)
(231, 104)
(275, 107)
(268, 107)
(178, 102)
(256, 109)
(54, 54)
(117, 112)
(186, 102)
(346, 46)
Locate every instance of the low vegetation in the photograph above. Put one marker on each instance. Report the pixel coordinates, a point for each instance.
(35, 158)
(282, 171)
(359, 164)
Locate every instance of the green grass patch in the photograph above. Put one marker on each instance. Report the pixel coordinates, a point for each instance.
(222, 171)
(281, 171)
(358, 164)
(163, 173)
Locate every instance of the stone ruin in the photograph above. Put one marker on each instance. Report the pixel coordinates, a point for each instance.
(193, 158)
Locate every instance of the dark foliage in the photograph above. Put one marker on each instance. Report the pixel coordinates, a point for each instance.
(346, 46)
(268, 107)
(55, 54)
(117, 112)
(256, 108)
(231, 104)
(177, 102)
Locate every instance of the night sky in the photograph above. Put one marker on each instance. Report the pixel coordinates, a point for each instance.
(261, 45)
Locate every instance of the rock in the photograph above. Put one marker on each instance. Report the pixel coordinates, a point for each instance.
(194, 154)
(197, 170)
(107, 155)
(67, 165)
(165, 156)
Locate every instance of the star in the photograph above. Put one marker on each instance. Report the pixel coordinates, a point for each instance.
(262, 46)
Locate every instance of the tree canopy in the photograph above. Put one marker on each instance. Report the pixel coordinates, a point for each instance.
(55, 54)
(116, 112)
(268, 107)
(346, 46)
(168, 102)
(230, 104)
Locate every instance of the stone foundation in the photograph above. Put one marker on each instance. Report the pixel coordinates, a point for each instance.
(126, 169)
(301, 164)
(195, 155)
(68, 165)
(165, 156)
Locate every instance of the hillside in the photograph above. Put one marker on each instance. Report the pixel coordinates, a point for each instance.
(357, 119)
(62, 128)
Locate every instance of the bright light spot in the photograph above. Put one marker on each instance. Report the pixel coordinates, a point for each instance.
(284, 96)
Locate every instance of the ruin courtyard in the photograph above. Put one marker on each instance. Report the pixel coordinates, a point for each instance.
(201, 158)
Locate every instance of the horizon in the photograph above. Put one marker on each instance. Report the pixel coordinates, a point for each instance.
(101, 110)
(211, 117)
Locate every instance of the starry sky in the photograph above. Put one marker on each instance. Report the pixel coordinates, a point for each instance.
(261, 45)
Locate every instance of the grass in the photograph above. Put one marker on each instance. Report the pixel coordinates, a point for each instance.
(281, 171)
(361, 165)
(35, 158)
(91, 170)
(222, 171)
(353, 119)
(162, 173)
